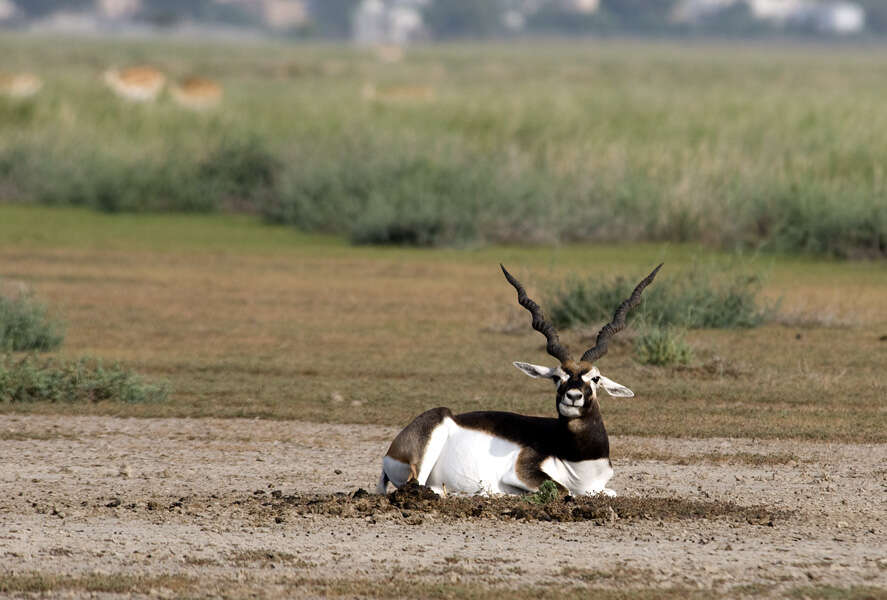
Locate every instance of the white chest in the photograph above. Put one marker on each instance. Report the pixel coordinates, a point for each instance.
(580, 477)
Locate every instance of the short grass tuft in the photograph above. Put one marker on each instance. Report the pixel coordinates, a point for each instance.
(662, 346)
(27, 379)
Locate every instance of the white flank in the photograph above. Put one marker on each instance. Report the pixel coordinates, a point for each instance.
(475, 462)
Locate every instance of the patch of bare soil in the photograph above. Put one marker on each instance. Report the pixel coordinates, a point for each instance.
(140, 507)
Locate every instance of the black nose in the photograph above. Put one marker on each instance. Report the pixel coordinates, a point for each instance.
(574, 394)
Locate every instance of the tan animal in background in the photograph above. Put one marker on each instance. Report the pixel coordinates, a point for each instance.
(398, 93)
(197, 93)
(20, 85)
(139, 84)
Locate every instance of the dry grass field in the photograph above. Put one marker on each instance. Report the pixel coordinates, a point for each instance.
(758, 470)
(248, 320)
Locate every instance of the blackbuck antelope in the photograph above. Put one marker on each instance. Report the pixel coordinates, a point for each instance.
(139, 84)
(504, 453)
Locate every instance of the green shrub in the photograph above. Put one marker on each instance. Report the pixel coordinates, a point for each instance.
(662, 346)
(25, 325)
(240, 174)
(29, 380)
(547, 492)
(699, 298)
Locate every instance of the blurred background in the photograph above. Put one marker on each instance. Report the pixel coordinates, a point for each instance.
(410, 20)
(735, 123)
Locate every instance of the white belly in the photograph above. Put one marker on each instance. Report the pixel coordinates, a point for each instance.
(475, 462)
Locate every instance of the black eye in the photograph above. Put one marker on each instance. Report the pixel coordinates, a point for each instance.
(596, 378)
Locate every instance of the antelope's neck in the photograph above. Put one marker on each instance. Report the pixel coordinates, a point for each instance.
(587, 435)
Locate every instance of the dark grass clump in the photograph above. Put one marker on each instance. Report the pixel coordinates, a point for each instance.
(696, 299)
(814, 218)
(24, 380)
(26, 326)
(240, 174)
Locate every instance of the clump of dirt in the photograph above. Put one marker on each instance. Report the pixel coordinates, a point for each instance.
(414, 503)
(413, 500)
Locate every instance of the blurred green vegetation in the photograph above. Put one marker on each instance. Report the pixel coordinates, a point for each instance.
(25, 324)
(26, 379)
(776, 147)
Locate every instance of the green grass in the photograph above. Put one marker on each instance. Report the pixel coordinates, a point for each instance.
(662, 346)
(25, 324)
(25, 379)
(774, 147)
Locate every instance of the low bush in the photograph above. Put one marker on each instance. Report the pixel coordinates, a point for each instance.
(28, 379)
(662, 346)
(699, 298)
(25, 324)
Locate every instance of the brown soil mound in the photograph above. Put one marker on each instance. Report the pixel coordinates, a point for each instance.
(414, 502)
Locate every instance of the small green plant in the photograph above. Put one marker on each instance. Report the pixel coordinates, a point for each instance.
(662, 346)
(25, 325)
(547, 492)
(30, 380)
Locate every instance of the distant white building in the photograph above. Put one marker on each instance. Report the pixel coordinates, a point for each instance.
(839, 18)
(8, 10)
(118, 9)
(284, 14)
(585, 7)
(389, 21)
(826, 17)
(776, 10)
(695, 11)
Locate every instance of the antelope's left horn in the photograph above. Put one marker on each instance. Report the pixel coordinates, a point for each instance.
(540, 324)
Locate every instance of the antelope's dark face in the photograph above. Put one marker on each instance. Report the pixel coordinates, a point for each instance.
(577, 385)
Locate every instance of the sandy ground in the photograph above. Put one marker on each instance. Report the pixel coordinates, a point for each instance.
(86, 495)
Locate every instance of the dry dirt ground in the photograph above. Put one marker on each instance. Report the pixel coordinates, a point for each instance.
(102, 506)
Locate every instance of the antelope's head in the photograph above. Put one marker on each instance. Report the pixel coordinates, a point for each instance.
(577, 381)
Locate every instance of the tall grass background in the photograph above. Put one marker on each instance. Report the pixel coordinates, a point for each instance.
(776, 147)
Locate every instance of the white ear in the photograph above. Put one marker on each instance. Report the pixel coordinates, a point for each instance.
(537, 371)
(615, 389)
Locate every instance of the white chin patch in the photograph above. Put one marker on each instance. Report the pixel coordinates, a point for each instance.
(569, 411)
